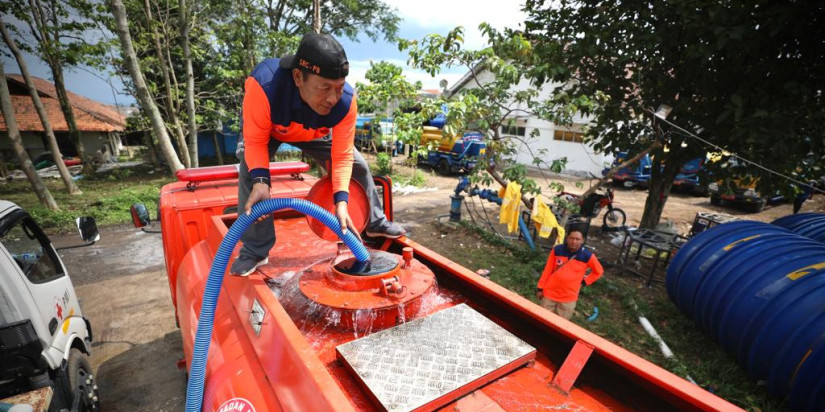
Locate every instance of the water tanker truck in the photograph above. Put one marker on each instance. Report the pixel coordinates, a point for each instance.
(384, 325)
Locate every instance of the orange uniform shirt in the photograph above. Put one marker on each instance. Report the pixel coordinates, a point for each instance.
(564, 272)
(273, 109)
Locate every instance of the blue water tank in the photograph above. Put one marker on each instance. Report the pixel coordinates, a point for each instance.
(811, 225)
(758, 290)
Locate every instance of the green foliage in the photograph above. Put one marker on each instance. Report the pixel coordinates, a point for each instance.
(417, 178)
(733, 72)
(62, 32)
(107, 197)
(383, 164)
(227, 40)
(512, 265)
(387, 87)
(489, 105)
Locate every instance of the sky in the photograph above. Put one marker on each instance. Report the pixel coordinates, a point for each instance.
(419, 18)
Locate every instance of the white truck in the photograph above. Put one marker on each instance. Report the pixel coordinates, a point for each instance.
(45, 340)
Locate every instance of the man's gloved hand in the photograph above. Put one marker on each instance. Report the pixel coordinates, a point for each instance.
(260, 192)
(342, 213)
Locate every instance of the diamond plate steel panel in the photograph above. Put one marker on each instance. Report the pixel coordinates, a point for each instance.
(413, 364)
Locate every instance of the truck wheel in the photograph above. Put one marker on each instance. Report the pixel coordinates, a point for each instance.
(443, 167)
(82, 382)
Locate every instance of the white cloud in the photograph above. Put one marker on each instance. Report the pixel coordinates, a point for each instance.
(441, 14)
(358, 70)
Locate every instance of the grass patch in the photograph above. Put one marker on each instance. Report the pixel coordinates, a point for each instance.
(106, 196)
(415, 178)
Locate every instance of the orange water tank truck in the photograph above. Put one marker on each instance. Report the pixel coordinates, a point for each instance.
(417, 332)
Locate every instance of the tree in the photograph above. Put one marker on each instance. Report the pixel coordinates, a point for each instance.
(736, 74)
(17, 144)
(388, 91)
(242, 33)
(165, 66)
(192, 127)
(62, 32)
(144, 97)
(229, 39)
(490, 106)
(71, 187)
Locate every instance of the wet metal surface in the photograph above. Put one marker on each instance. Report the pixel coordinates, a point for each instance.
(380, 262)
(413, 364)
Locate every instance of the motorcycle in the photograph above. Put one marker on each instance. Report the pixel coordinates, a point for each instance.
(592, 205)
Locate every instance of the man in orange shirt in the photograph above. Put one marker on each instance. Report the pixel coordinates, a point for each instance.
(304, 100)
(564, 275)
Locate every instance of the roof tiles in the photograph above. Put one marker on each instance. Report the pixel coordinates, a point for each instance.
(91, 116)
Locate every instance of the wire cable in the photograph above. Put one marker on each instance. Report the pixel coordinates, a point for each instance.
(689, 134)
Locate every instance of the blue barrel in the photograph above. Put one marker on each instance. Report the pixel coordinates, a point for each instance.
(758, 290)
(810, 225)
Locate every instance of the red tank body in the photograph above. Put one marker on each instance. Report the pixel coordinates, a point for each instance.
(278, 333)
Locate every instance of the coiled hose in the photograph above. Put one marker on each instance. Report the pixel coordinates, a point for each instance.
(200, 350)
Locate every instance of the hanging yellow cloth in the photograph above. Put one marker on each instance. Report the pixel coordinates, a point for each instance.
(510, 200)
(545, 220)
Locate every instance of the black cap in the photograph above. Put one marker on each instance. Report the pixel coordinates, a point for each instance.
(320, 54)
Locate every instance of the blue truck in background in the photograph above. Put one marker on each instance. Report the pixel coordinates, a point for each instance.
(459, 154)
(688, 178)
(637, 174)
(449, 154)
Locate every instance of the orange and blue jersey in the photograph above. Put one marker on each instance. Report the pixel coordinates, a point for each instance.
(564, 272)
(273, 109)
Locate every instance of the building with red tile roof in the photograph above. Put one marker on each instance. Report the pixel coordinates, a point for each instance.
(100, 125)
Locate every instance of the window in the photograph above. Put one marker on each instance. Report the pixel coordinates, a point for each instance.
(568, 136)
(31, 251)
(513, 130)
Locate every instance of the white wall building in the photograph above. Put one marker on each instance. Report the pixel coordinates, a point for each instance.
(555, 141)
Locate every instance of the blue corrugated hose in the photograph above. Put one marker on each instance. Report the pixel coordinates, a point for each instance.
(200, 351)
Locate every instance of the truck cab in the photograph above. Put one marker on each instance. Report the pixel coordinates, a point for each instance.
(45, 340)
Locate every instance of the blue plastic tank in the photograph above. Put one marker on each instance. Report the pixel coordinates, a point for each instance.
(758, 290)
(810, 225)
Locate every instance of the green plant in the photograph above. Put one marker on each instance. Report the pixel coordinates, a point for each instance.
(106, 197)
(417, 178)
(382, 164)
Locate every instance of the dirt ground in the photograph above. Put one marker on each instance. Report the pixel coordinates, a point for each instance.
(123, 289)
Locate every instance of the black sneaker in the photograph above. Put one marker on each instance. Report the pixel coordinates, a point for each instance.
(245, 265)
(388, 230)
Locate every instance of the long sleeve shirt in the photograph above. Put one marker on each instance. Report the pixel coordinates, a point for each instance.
(564, 272)
(273, 109)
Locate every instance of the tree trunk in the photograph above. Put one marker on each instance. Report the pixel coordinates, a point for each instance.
(248, 42)
(316, 17)
(149, 142)
(628, 162)
(661, 181)
(48, 44)
(71, 187)
(4, 171)
(17, 143)
(218, 152)
(164, 64)
(145, 98)
(190, 86)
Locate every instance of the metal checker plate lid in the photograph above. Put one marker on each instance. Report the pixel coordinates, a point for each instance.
(433, 360)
